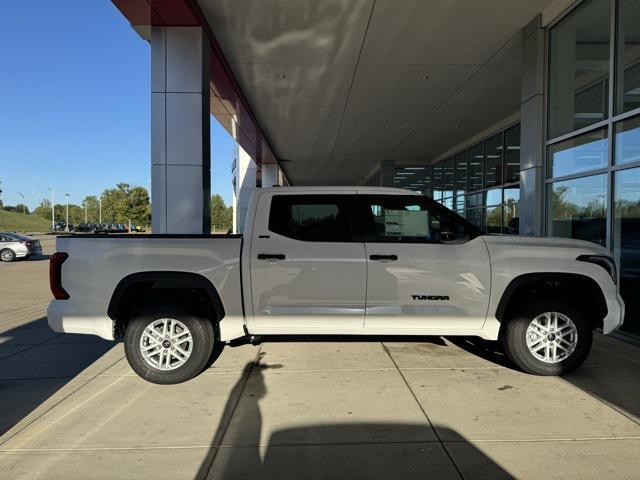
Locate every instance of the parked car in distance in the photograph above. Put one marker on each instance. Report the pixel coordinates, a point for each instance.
(15, 245)
(335, 261)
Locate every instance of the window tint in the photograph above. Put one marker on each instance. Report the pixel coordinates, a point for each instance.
(411, 219)
(312, 218)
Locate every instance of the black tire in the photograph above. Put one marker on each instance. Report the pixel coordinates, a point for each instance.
(7, 255)
(514, 337)
(202, 333)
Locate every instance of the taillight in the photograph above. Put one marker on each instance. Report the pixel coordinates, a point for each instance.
(55, 275)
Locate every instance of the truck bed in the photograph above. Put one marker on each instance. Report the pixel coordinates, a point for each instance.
(97, 263)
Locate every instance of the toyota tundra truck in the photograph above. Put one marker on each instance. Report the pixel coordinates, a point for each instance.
(334, 261)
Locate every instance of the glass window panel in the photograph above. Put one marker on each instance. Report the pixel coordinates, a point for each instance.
(628, 82)
(398, 218)
(493, 150)
(511, 218)
(460, 204)
(475, 200)
(475, 170)
(579, 154)
(402, 177)
(436, 181)
(423, 177)
(461, 172)
(313, 218)
(448, 202)
(511, 195)
(579, 68)
(493, 220)
(475, 216)
(628, 141)
(512, 154)
(494, 197)
(577, 208)
(447, 178)
(627, 243)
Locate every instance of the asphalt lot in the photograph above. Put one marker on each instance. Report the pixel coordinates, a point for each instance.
(70, 407)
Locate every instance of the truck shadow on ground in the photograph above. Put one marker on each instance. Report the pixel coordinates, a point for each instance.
(363, 450)
(610, 373)
(35, 363)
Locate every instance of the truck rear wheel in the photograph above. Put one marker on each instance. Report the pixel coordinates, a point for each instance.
(548, 337)
(168, 345)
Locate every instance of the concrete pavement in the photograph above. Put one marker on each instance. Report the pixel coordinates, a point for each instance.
(70, 407)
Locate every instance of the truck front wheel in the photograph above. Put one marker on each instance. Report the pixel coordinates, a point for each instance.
(548, 337)
(168, 345)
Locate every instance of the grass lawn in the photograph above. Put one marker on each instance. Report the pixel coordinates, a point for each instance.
(17, 222)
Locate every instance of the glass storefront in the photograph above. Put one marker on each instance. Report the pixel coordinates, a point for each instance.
(626, 235)
(577, 209)
(480, 183)
(628, 82)
(579, 68)
(578, 154)
(628, 141)
(593, 137)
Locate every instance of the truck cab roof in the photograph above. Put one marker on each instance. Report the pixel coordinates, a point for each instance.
(338, 189)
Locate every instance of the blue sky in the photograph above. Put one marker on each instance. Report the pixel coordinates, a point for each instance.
(75, 103)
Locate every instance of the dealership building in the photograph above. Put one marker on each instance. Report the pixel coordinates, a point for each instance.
(521, 115)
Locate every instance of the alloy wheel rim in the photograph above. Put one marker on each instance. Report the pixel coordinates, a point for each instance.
(6, 255)
(166, 344)
(552, 337)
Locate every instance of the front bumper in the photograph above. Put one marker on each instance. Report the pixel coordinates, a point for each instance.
(64, 316)
(615, 314)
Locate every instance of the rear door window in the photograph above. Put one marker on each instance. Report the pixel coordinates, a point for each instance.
(311, 218)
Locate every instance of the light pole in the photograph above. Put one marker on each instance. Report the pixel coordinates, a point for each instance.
(53, 210)
(100, 203)
(66, 227)
(24, 212)
(85, 211)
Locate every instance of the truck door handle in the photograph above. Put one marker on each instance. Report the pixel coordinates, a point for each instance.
(383, 257)
(271, 256)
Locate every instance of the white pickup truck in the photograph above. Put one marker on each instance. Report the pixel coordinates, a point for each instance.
(334, 260)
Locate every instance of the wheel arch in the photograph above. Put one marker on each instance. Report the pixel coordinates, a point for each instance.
(139, 287)
(576, 286)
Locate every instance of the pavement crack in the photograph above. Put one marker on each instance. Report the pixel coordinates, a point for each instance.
(424, 412)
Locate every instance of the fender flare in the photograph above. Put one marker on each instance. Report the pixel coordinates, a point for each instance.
(520, 280)
(164, 280)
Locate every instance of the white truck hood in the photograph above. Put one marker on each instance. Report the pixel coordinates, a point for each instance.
(545, 242)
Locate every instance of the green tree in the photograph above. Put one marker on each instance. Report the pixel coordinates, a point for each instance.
(221, 215)
(139, 206)
(92, 205)
(44, 210)
(21, 208)
(115, 204)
